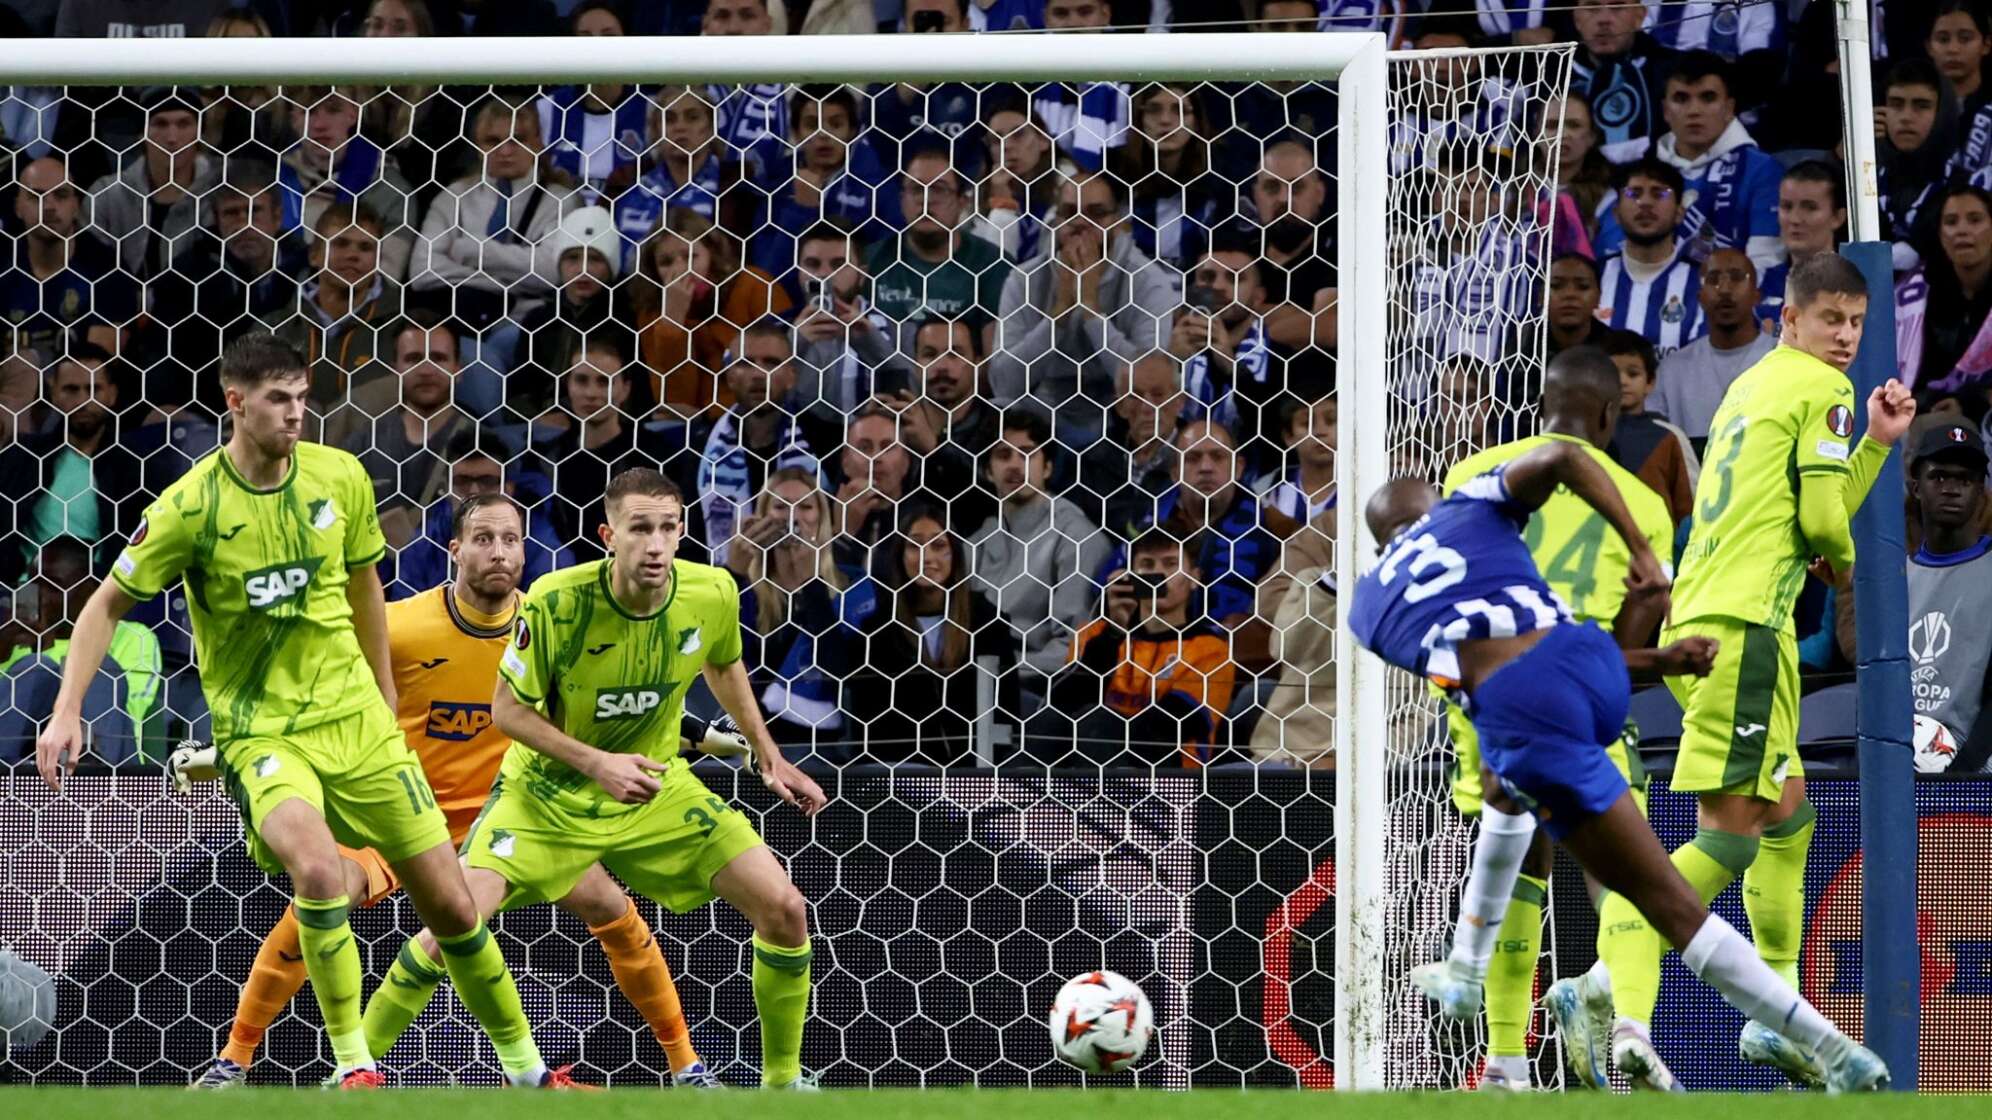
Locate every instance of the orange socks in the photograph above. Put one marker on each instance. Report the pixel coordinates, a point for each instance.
(646, 980)
(275, 977)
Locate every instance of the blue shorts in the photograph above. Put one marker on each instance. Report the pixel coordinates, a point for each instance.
(1545, 719)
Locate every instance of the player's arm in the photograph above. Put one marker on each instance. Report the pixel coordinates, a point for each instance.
(625, 777)
(735, 692)
(61, 743)
(1828, 495)
(1532, 478)
(369, 602)
(1689, 657)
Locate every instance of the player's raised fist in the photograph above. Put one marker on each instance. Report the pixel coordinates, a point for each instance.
(59, 748)
(1890, 408)
(627, 777)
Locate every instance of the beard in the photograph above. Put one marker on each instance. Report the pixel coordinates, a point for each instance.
(1289, 233)
(1648, 240)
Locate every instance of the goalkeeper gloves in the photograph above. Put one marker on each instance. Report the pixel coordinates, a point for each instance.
(720, 738)
(192, 761)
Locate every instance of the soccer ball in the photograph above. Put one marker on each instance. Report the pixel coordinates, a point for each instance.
(1101, 1023)
(1935, 747)
(27, 1003)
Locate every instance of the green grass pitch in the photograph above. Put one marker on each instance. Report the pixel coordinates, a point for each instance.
(951, 1104)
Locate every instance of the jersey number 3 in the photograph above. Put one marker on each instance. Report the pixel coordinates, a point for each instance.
(1731, 441)
(1432, 567)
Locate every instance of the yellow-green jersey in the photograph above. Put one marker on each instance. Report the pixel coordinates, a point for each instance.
(266, 573)
(612, 679)
(1789, 416)
(1582, 558)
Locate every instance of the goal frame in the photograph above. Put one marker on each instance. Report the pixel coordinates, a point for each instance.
(1354, 62)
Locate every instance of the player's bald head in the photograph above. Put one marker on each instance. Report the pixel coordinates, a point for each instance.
(1397, 504)
(1580, 379)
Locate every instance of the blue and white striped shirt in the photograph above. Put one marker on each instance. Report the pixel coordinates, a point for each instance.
(1085, 122)
(1666, 310)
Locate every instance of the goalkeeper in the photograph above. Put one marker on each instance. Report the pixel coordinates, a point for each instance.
(444, 647)
(591, 690)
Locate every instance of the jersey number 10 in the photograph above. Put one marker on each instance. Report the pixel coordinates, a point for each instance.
(1433, 567)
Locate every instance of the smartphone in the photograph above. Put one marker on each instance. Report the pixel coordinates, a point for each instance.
(1141, 585)
(820, 295)
(1202, 297)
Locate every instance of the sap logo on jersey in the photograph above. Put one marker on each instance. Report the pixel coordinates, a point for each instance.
(613, 704)
(457, 723)
(279, 583)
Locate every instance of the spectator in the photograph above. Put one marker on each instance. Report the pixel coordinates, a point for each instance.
(935, 267)
(758, 434)
(236, 117)
(1297, 599)
(1812, 212)
(1090, 296)
(846, 342)
(924, 657)
(486, 244)
(342, 308)
(1954, 305)
(1621, 71)
(330, 162)
(1732, 182)
(1033, 557)
(399, 427)
(411, 123)
(1950, 591)
(1177, 198)
(753, 119)
(597, 130)
(20, 393)
(86, 483)
(1572, 315)
(838, 17)
(592, 438)
(1085, 121)
(1643, 443)
(1125, 475)
(1307, 109)
(1306, 489)
(244, 275)
(926, 113)
(945, 418)
(146, 210)
(793, 595)
(683, 343)
(1913, 153)
(1240, 539)
(1726, 27)
(121, 705)
(1296, 265)
(1960, 39)
(1230, 371)
(1459, 104)
(475, 467)
(1466, 410)
(1583, 177)
(1652, 287)
(59, 282)
(587, 301)
(1694, 378)
(832, 175)
(1152, 674)
(685, 168)
(1473, 279)
(1021, 188)
(874, 476)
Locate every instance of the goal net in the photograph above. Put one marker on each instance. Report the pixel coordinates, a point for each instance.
(936, 340)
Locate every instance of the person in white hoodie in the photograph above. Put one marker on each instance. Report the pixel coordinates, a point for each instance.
(1732, 184)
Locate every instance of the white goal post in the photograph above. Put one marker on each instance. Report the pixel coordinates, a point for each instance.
(1367, 220)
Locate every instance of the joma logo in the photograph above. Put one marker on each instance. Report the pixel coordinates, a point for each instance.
(279, 583)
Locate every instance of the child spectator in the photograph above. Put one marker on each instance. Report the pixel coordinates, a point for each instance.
(342, 310)
(1645, 444)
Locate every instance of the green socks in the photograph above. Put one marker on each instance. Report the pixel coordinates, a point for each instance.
(1774, 892)
(485, 986)
(333, 963)
(1632, 950)
(1510, 984)
(781, 996)
(402, 995)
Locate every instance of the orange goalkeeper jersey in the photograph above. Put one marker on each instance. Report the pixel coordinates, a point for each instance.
(445, 659)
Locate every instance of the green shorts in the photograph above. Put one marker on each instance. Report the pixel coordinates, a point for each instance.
(1739, 724)
(667, 850)
(1466, 789)
(356, 771)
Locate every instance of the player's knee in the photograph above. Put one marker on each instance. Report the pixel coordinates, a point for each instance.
(454, 916)
(319, 875)
(785, 917)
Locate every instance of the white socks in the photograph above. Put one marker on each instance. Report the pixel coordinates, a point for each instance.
(1497, 860)
(1514, 1066)
(1730, 965)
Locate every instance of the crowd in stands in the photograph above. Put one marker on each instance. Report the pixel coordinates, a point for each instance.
(1010, 399)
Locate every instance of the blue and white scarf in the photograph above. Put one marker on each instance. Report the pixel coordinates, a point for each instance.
(1211, 399)
(564, 120)
(725, 482)
(359, 166)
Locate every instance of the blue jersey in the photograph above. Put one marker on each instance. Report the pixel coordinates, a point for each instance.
(1460, 573)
